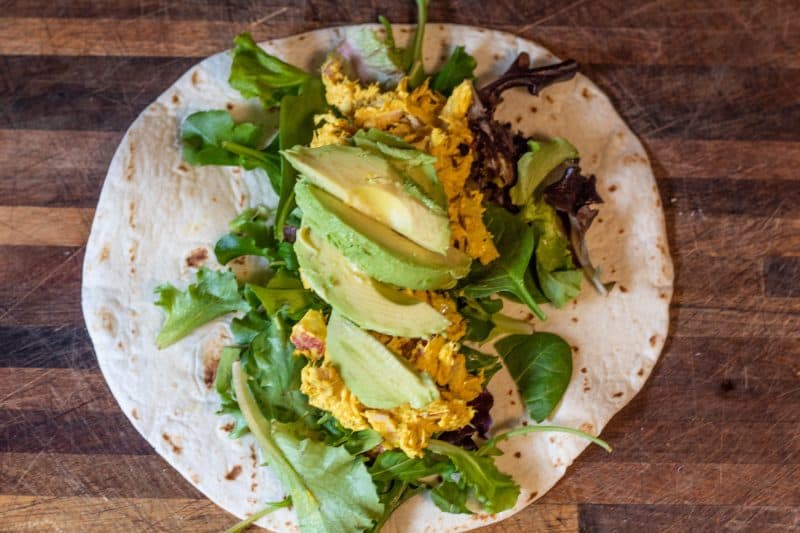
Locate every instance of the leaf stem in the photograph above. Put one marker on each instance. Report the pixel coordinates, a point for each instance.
(524, 430)
(506, 324)
(270, 507)
(240, 149)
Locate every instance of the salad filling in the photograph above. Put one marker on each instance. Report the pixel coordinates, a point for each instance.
(407, 215)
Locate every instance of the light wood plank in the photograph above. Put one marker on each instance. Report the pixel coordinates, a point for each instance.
(43, 226)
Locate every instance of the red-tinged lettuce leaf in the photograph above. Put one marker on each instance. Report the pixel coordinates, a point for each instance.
(572, 196)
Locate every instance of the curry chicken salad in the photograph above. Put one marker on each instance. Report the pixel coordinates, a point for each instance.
(407, 218)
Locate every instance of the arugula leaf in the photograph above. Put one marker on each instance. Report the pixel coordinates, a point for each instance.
(251, 234)
(394, 464)
(413, 54)
(451, 497)
(460, 67)
(296, 127)
(494, 490)
(490, 446)
(508, 274)
(252, 519)
(331, 490)
(213, 138)
(255, 73)
(215, 293)
(534, 166)
(541, 365)
(559, 279)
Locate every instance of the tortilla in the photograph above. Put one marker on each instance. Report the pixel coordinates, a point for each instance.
(158, 219)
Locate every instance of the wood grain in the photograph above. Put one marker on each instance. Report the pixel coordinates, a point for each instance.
(711, 443)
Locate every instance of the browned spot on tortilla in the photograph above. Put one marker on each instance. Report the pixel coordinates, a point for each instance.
(658, 202)
(210, 364)
(517, 455)
(617, 394)
(583, 370)
(236, 170)
(242, 200)
(497, 57)
(623, 288)
(228, 427)
(662, 295)
(511, 392)
(529, 316)
(104, 253)
(620, 135)
(132, 207)
(108, 321)
(621, 231)
(575, 319)
(612, 188)
(195, 77)
(132, 252)
(553, 116)
(197, 257)
(518, 119)
(183, 168)
(524, 422)
(253, 456)
(195, 479)
(640, 372)
(234, 473)
(586, 94)
(600, 220)
(653, 340)
(175, 99)
(552, 440)
(548, 98)
(533, 109)
(532, 496)
(575, 348)
(175, 448)
(134, 414)
(595, 158)
(403, 30)
(613, 270)
(629, 159)
(229, 106)
(587, 389)
(120, 345)
(586, 427)
(513, 402)
(253, 486)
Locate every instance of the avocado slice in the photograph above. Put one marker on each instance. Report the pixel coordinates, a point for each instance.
(367, 182)
(377, 376)
(416, 164)
(374, 248)
(369, 303)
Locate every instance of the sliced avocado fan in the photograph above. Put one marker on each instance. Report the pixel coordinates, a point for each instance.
(378, 377)
(370, 304)
(376, 249)
(367, 182)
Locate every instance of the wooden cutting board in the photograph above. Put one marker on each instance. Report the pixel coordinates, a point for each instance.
(711, 443)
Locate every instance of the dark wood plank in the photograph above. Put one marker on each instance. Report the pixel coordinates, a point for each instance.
(61, 346)
(781, 275)
(687, 517)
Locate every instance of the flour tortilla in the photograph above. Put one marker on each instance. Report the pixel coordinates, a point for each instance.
(158, 219)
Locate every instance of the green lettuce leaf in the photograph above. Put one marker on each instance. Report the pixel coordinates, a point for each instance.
(541, 365)
(451, 497)
(213, 138)
(534, 166)
(460, 67)
(285, 295)
(508, 274)
(559, 279)
(494, 490)
(215, 293)
(251, 234)
(331, 490)
(296, 127)
(257, 74)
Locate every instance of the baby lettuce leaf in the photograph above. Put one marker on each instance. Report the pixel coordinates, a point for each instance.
(394, 464)
(534, 166)
(508, 274)
(213, 138)
(541, 365)
(284, 295)
(494, 490)
(296, 127)
(478, 361)
(257, 74)
(460, 67)
(559, 279)
(451, 497)
(490, 446)
(215, 293)
(331, 490)
(252, 234)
